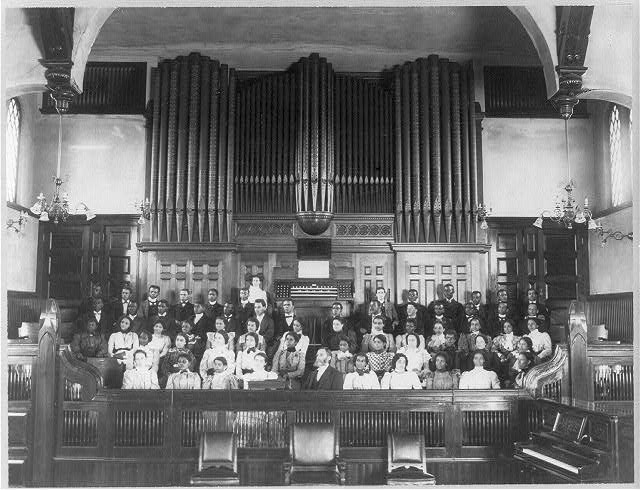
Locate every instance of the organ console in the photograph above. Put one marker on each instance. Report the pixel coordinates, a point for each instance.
(321, 289)
(573, 445)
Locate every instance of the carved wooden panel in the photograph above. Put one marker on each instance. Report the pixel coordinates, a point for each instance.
(66, 273)
(428, 279)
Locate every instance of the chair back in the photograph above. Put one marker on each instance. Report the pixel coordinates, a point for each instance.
(313, 444)
(218, 449)
(406, 450)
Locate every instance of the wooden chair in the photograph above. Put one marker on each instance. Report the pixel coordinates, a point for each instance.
(314, 456)
(218, 460)
(406, 461)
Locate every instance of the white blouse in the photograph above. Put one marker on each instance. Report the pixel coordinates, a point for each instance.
(368, 381)
(301, 346)
(417, 358)
(406, 380)
(122, 341)
(479, 379)
(209, 356)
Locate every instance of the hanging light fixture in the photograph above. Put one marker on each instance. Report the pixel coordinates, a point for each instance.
(57, 209)
(481, 215)
(566, 210)
(144, 208)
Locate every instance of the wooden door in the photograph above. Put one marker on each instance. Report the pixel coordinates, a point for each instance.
(119, 264)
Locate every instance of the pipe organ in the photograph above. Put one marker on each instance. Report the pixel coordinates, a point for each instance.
(312, 143)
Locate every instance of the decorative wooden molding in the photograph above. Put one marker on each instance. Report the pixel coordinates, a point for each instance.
(441, 247)
(364, 230)
(546, 373)
(84, 374)
(264, 228)
(187, 247)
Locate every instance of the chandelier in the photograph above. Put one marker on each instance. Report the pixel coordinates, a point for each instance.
(566, 210)
(57, 208)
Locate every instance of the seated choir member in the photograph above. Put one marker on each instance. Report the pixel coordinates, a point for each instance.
(213, 309)
(437, 314)
(497, 321)
(252, 327)
(256, 292)
(387, 308)
(533, 314)
(342, 359)
(339, 330)
(89, 343)
(217, 343)
(417, 357)
(362, 378)
(218, 376)
(525, 361)
(480, 310)
(289, 363)
(87, 303)
(143, 344)
(504, 346)
(170, 363)
(303, 344)
(324, 377)
(245, 359)
(159, 343)
(399, 378)
(140, 377)
(259, 372)
(186, 328)
(379, 358)
(377, 328)
(437, 341)
(165, 317)
(467, 343)
(123, 341)
(183, 309)
(442, 378)
(540, 340)
(98, 313)
(231, 321)
(418, 314)
(327, 325)
(137, 322)
(450, 348)
(410, 326)
(220, 327)
(479, 378)
(244, 309)
(200, 321)
(470, 312)
(149, 307)
(183, 378)
(491, 362)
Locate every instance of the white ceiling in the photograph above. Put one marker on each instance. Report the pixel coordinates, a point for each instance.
(353, 39)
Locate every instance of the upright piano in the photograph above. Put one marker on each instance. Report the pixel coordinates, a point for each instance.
(575, 445)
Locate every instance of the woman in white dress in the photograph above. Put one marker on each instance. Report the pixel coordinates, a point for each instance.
(217, 342)
(124, 343)
(303, 344)
(159, 344)
(479, 378)
(245, 360)
(255, 291)
(399, 378)
(417, 357)
(362, 378)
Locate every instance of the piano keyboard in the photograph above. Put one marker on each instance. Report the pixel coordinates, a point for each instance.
(313, 291)
(550, 460)
(310, 289)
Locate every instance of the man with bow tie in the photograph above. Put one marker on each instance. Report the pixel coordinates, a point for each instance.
(183, 310)
(212, 308)
(284, 320)
(231, 322)
(165, 317)
(149, 307)
(452, 309)
(496, 325)
(492, 313)
(542, 312)
(480, 309)
(465, 320)
(387, 308)
(120, 307)
(244, 309)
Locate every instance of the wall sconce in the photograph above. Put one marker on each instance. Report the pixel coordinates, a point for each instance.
(609, 233)
(17, 225)
(144, 208)
(481, 215)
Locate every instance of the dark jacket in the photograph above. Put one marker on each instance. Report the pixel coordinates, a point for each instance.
(331, 380)
(183, 312)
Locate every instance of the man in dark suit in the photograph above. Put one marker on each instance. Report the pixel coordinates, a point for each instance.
(183, 309)
(212, 308)
(201, 323)
(284, 320)
(149, 307)
(464, 321)
(418, 317)
(453, 310)
(412, 298)
(375, 309)
(166, 318)
(266, 327)
(480, 309)
(244, 309)
(138, 324)
(327, 325)
(231, 322)
(387, 308)
(492, 313)
(542, 311)
(87, 303)
(99, 315)
(324, 377)
(533, 314)
(496, 324)
(437, 314)
(120, 306)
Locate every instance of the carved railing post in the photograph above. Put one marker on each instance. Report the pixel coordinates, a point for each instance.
(44, 396)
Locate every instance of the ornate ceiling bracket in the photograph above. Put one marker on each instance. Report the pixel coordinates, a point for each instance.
(573, 25)
(56, 29)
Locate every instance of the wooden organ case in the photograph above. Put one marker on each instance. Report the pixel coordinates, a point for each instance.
(234, 156)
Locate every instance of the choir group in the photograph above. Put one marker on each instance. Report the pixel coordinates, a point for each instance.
(443, 345)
